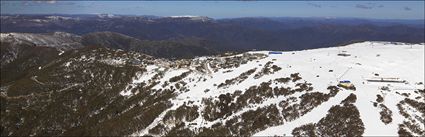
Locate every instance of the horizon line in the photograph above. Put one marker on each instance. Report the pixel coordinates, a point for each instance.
(218, 18)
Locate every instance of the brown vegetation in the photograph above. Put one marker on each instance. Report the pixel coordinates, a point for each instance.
(180, 77)
(412, 121)
(379, 99)
(341, 120)
(238, 79)
(386, 114)
(267, 69)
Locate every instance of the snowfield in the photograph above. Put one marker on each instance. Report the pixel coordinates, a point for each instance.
(401, 61)
(320, 67)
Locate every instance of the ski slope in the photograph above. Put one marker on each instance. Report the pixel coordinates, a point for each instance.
(320, 67)
(402, 61)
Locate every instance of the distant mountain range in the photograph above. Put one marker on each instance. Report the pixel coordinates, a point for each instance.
(112, 75)
(238, 34)
(21, 52)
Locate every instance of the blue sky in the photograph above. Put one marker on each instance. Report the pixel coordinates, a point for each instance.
(225, 9)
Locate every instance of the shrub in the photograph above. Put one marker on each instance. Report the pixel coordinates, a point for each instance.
(283, 80)
(295, 77)
(180, 77)
(403, 132)
(238, 79)
(350, 99)
(386, 114)
(379, 99)
(305, 130)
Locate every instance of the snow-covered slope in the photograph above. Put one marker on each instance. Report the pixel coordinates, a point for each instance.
(322, 68)
(59, 40)
(401, 61)
(256, 93)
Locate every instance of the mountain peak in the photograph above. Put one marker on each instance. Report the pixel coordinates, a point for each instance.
(192, 17)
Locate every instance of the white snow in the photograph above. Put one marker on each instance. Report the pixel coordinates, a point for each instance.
(61, 52)
(191, 17)
(184, 16)
(402, 61)
(138, 79)
(58, 17)
(59, 40)
(67, 64)
(114, 62)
